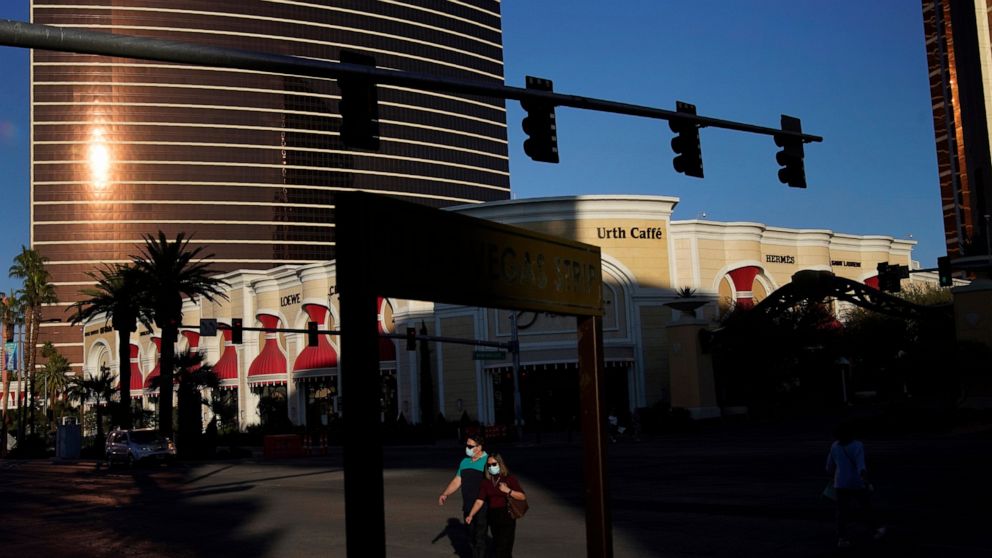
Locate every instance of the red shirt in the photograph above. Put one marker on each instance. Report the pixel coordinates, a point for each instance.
(489, 491)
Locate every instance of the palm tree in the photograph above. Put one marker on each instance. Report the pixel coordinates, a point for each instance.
(36, 292)
(53, 374)
(192, 375)
(170, 271)
(11, 314)
(99, 389)
(118, 296)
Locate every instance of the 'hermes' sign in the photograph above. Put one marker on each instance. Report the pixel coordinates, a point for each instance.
(651, 233)
(770, 258)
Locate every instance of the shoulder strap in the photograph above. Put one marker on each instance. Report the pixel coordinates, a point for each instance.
(848, 456)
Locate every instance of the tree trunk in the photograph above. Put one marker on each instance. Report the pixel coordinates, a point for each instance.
(6, 390)
(124, 375)
(167, 371)
(29, 324)
(99, 426)
(3, 421)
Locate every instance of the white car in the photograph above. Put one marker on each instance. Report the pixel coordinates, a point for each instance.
(136, 446)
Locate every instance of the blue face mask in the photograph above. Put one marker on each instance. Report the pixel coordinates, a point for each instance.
(494, 470)
(470, 452)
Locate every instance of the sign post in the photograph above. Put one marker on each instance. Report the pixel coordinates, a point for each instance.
(457, 260)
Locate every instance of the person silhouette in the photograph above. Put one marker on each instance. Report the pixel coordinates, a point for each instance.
(846, 462)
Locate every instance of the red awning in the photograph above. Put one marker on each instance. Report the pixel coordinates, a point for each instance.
(227, 366)
(323, 355)
(872, 281)
(269, 367)
(387, 349)
(193, 338)
(158, 364)
(136, 383)
(743, 280)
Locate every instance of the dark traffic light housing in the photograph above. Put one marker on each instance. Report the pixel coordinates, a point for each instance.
(236, 331)
(359, 105)
(944, 271)
(688, 152)
(411, 339)
(793, 171)
(540, 124)
(311, 334)
(890, 276)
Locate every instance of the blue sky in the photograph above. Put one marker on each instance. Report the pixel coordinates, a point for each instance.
(853, 71)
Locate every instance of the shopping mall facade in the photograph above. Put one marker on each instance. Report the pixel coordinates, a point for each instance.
(646, 258)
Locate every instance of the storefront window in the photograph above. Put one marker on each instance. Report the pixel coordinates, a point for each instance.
(224, 404)
(321, 401)
(273, 407)
(388, 407)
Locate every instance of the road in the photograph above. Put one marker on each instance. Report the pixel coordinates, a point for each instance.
(728, 493)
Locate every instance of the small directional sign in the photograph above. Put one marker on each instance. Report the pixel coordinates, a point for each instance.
(488, 355)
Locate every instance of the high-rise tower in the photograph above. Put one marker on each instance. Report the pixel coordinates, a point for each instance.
(959, 56)
(248, 162)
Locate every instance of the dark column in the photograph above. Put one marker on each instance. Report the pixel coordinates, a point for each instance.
(365, 522)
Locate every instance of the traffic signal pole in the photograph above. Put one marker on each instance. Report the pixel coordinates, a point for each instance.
(47, 37)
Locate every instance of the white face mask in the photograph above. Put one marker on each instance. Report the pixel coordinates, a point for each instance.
(494, 469)
(470, 451)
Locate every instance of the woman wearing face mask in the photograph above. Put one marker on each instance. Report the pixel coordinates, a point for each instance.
(498, 486)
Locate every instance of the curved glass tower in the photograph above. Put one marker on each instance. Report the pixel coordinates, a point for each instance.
(248, 162)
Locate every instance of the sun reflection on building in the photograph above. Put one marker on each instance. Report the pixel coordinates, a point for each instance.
(99, 158)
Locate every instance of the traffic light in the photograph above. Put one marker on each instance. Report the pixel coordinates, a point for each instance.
(236, 331)
(540, 124)
(311, 334)
(688, 153)
(208, 327)
(411, 339)
(890, 277)
(793, 171)
(359, 105)
(944, 271)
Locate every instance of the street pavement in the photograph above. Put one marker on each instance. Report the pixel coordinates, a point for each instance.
(729, 492)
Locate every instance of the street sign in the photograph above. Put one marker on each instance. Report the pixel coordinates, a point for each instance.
(488, 355)
(457, 259)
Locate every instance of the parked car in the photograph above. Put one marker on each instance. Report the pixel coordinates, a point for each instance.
(137, 446)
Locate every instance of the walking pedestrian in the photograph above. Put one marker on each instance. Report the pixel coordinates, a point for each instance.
(846, 462)
(469, 479)
(499, 487)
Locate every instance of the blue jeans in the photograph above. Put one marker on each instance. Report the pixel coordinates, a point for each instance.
(847, 500)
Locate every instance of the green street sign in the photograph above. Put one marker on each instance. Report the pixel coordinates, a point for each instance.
(488, 355)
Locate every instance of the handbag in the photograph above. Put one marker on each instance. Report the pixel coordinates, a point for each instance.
(516, 508)
(829, 492)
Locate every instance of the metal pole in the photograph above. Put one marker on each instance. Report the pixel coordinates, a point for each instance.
(988, 238)
(46, 37)
(599, 526)
(518, 416)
